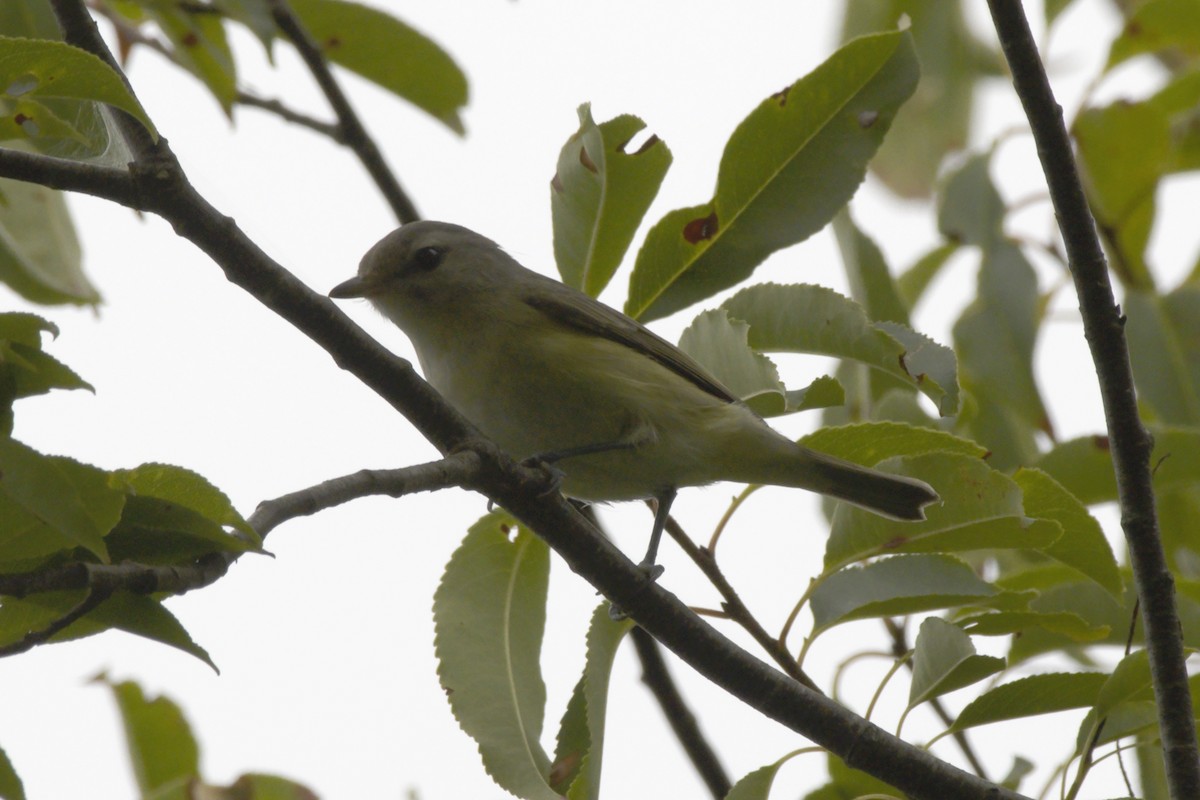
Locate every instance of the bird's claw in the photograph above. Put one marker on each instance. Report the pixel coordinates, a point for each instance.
(652, 572)
(556, 475)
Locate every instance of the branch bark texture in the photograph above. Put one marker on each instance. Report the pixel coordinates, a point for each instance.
(1130, 442)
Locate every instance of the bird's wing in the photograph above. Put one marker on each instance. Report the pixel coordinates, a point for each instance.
(577, 310)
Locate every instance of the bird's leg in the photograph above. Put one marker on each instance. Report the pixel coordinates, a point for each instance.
(664, 500)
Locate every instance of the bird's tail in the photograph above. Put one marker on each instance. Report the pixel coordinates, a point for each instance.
(790, 464)
(894, 496)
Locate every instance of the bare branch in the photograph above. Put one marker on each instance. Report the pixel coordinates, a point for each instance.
(356, 136)
(284, 112)
(108, 183)
(658, 679)
(1130, 443)
(454, 470)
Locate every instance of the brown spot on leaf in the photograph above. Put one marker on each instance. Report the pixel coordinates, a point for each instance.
(701, 229)
(190, 39)
(333, 43)
(867, 119)
(781, 96)
(1133, 28)
(586, 160)
(1100, 443)
(563, 768)
(895, 542)
(556, 184)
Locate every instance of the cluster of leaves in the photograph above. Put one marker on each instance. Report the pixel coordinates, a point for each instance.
(1011, 504)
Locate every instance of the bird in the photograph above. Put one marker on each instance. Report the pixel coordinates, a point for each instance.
(552, 375)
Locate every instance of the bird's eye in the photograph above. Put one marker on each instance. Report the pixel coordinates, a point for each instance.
(427, 258)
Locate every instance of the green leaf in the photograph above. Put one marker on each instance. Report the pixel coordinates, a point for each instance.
(40, 258)
(1156, 26)
(39, 68)
(1003, 623)
(1028, 697)
(200, 46)
(944, 660)
(980, 508)
(1121, 190)
(133, 613)
(871, 283)
(52, 503)
(755, 785)
(846, 783)
(814, 319)
(384, 50)
(895, 586)
(578, 756)
(1084, 467)
(11, 787)
(1083, 544)
(33, 19)
(869, 443)
(161, 746)
(720, 345)
(489, 615)
(936, 121)
(172, 514)
(994, 340)
(1165, 353)
(1082, 598)
(970, 209)
(917, 278)
(1021, 767)
(599, 195)
(786, 170)
(25, 370)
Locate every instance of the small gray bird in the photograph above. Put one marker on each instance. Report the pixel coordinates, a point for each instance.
(547, 372)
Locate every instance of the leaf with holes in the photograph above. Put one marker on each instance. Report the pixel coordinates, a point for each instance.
(786, 170)
(599, 195)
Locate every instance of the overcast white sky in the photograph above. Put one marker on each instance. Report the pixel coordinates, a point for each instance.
(326, 650)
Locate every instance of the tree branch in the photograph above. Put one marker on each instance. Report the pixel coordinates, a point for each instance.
(1131, 444)
(658, 679)
(454, 470)
(356, 136)
(733, 606)
(108, 183)
(287, 114)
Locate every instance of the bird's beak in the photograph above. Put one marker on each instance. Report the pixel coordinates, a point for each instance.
(355, 287)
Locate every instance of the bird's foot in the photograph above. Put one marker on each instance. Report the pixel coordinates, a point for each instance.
(652, 572)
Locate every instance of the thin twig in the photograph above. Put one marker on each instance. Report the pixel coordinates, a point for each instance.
(457, 469)
(683, 722)
(356, 136)
(734, 608)
(288, 114)
(1131, 444)
(454, 470)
